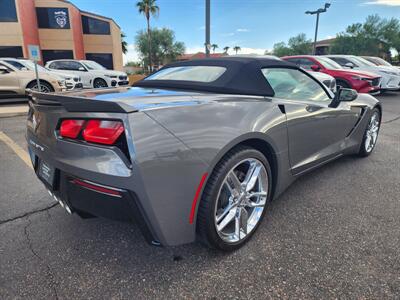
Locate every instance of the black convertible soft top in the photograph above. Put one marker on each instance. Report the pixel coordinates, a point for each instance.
(243, 75)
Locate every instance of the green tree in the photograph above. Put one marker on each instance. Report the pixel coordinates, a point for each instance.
(375, 37)
(281, 49)
(226, 49)
(214, 46)
(297, 45)
(237, 49)
(164, 48)
(124, 44)
(148, 8)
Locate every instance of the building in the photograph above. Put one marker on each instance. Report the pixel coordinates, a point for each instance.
(198, 55)
(322, 47)
(61, 30)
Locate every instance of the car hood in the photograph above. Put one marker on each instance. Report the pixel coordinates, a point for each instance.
(108, 72)
(357, 73)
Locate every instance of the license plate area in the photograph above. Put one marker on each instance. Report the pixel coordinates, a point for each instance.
(46, 173)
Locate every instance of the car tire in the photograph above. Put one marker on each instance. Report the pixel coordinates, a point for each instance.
(371, 133)
(99, 83)
(217, 198)
(45, 87)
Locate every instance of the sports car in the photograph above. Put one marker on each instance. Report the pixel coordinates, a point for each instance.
(196, 150)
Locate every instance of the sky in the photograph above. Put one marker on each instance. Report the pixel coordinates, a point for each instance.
(254, 25)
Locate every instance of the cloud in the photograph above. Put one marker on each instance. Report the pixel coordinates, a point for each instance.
(242, 30)
(383, 2)
(228, 34)
(131, 55)
(246, 50)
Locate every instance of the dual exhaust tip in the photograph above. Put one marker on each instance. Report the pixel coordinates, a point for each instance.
(62, 203)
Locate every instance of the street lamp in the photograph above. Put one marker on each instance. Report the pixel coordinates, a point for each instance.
(207, 43)
(317, 12)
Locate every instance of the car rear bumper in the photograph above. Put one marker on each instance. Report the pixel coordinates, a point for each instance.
(88, 198)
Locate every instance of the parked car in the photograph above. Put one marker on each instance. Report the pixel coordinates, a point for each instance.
(390, 76)
(362, 82)
(196, 150)
(379, 61)
(14, 81)
(93, 74)
(326, 79)
(71, 81)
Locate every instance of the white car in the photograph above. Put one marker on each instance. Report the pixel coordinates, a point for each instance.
(93, 74)
(328, 80)
(390, 75)
(71, 81)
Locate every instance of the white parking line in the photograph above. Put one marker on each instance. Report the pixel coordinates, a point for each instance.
(16, 148)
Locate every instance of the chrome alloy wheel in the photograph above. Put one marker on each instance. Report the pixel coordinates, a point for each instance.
(372, 132)
(241, 200)
(43, 88)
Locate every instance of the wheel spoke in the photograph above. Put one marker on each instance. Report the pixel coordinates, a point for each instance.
(225, 221)
(226, 211)
(257, 194)
(234, 181)
(244, 216)
(252, 176)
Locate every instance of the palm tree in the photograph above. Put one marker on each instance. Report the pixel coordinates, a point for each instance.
(148, 8)
(237, 49)
(226, 49)
(214, 46)
(124, 44)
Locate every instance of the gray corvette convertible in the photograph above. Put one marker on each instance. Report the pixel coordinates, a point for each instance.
(196, 150)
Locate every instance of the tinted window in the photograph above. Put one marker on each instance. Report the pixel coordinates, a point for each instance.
(104, 59)
(189, 73)
(55, 18)
(56, 54)
(95, 26)
(15, 52)
(7, 67)
(293, 60)
(66, 65)
(306, 63)
(8, 13)
(15, 64)
(342, 61)
(295, 85)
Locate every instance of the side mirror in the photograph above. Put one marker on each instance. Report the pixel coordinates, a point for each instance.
(315, 68)
(349, 65)
(82, 69)
(4, 70)
(346, 95)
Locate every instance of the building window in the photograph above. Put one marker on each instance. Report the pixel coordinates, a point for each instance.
(95, 26)
(105, 59)
(48, 55)
(54, 18)
(8, 13)
(11, 51)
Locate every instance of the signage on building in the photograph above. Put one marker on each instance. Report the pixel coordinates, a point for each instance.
(34, 52)
(61, 18)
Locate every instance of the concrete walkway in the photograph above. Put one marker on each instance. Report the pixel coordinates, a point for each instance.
(13, 110)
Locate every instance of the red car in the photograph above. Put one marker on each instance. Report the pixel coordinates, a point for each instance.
(362, 82)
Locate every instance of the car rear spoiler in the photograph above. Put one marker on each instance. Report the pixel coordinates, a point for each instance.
(79, 104)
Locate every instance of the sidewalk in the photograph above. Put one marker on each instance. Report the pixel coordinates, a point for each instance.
(13, 110)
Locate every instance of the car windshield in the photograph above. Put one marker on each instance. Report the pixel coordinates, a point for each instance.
(20, 64)
(328, 63)
(379, 61)
(189, 73)
(92, 65)
(363, 62)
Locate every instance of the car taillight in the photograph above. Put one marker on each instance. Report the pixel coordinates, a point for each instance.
(103, 131)
(71, 128)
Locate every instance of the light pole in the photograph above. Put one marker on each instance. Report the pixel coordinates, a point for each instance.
(317, 12)
(207, 43)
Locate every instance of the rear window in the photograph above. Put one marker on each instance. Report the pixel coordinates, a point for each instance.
(189, 73)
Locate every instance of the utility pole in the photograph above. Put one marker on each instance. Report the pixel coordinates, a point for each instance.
(207, 43)
(317, 12)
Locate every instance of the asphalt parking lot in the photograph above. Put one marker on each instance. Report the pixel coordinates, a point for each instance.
(335, 233)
